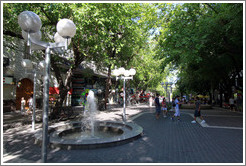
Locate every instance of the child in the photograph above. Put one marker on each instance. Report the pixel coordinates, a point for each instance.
(30, 102)
(23, 104)
(164, 107)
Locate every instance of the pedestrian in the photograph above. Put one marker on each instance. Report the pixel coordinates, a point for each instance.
(30, 103)
(177, 111)
(157, 106)
(164, 107)
(197, 112)
(23, 104)
(231, 102)
(150, 101)
(137, 97)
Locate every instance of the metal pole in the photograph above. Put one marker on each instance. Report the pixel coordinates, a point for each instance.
(169, 96)
(124, 110)
(46, 105)
(34, 100)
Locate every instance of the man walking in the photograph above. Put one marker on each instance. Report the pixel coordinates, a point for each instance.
(198, 111)
(157, 106)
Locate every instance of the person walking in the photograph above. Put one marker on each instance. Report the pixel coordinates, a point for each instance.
(164, 107)
(157, 106)
(197, 112)
(150, 101)
(232, 105)
(177, 111)
(30, 103)
(23, 104)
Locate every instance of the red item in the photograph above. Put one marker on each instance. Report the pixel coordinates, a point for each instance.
(55, 90)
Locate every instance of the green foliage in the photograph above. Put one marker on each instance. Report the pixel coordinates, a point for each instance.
(204, 42)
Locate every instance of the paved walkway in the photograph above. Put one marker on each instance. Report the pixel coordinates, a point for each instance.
(220, 140)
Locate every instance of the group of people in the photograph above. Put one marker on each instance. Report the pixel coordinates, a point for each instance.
(162, 106)
(30, 104)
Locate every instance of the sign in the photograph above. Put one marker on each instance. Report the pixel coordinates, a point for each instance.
(7, 80)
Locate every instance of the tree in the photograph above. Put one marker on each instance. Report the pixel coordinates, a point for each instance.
(108, 34)
(204, 42)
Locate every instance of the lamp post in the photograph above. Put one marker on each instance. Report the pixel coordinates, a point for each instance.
(31, 24)
(124, 75)
(27, 64)
(166, 88)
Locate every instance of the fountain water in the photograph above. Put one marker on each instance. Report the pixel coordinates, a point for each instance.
(90, 112)
(89, 133)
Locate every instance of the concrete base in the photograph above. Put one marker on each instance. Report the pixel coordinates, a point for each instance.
(127, 132)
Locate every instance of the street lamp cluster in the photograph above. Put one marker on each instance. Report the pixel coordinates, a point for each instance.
(124, 74)
(30, 24)
(166, 87)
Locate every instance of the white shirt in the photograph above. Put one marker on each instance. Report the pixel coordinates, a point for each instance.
(231, 101)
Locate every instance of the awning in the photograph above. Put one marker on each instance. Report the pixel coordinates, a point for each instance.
(55, 90)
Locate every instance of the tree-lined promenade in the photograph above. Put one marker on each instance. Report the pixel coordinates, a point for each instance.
(202, 41)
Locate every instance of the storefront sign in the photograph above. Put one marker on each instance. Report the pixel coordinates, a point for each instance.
(7, 80)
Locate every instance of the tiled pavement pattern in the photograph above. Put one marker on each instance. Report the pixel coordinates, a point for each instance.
(163, 141)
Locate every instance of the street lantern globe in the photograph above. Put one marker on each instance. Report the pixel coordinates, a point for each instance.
(127, 73)
(166, 83)
(116, 72)
(37, 35)
(66, 28)
(162, 83)
(121, 71)
(132, 72)
(27, 64)
(29, 21)
(58, 38)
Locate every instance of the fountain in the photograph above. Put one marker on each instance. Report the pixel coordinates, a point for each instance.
(89, 133)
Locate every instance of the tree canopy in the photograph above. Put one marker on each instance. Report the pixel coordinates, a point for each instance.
(203, 41)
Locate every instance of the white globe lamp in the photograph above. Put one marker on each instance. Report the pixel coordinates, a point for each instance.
(36, 35)
(66, 28)
(58, 38)
(29, 21)
(121, 71)
(132, 72)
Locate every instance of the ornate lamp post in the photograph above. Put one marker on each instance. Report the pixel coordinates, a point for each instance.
(27, 64)
(166, 88)
(124, 75)
(30, 23)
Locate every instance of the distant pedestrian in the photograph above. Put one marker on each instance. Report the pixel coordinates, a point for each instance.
(177, 111)
(197, 112)
(137, 98)
(164, 107)
(30, 103)
(157, 106)
(150, 101)
(231, 102)
(23, 104)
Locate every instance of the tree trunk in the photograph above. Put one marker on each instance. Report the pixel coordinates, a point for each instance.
(108, 84)
(64, 87)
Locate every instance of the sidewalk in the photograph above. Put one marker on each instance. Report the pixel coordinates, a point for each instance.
(163, 141)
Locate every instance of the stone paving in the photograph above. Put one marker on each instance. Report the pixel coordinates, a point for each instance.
(164, 141)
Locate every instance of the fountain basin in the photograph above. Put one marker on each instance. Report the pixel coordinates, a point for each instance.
(109, 133)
